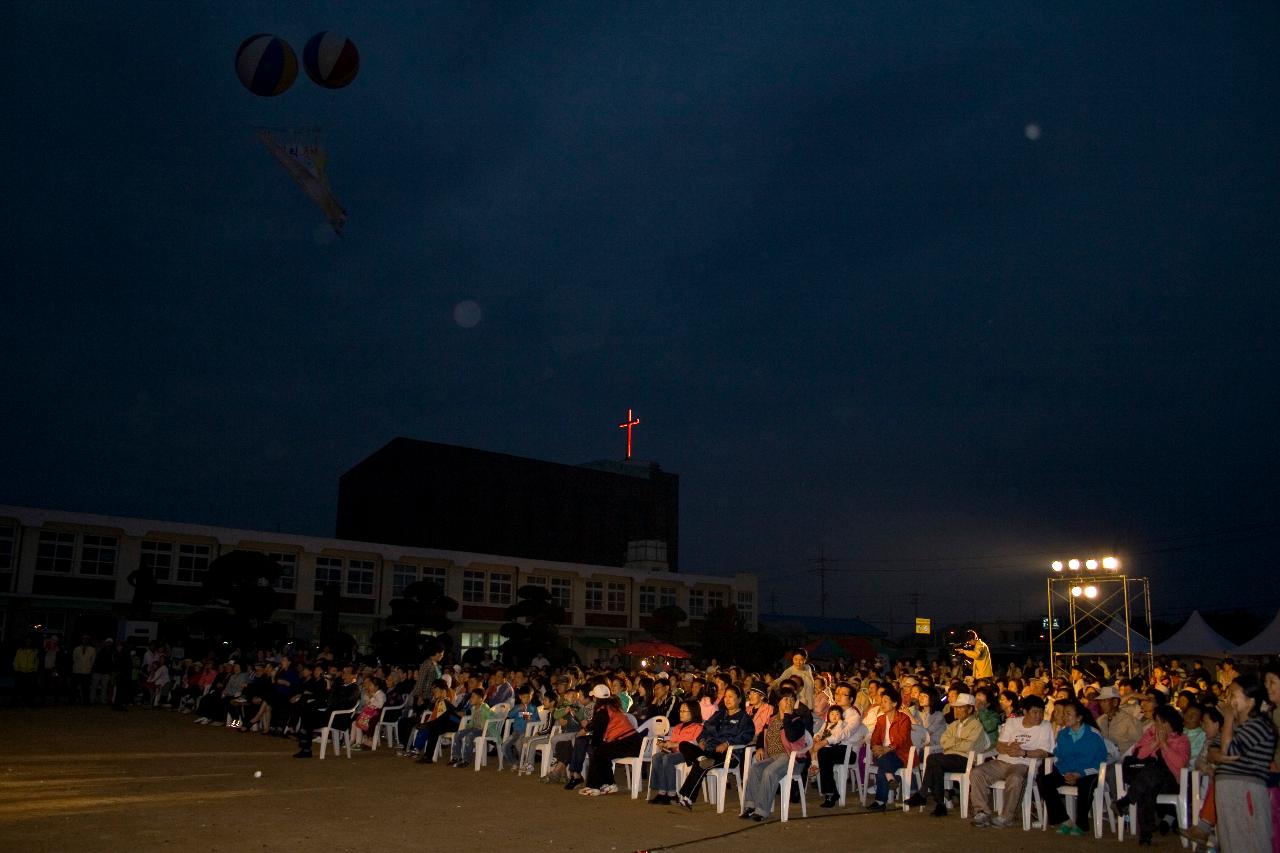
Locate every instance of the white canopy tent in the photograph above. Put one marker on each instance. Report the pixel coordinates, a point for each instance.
(1266, 643)
(1195, 637)
(1111, 641)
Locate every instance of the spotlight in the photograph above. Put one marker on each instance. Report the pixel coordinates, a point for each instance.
(1057, 565)
(1090, 591)
(1076, 591)
(1074, 565)
(1110, 563)
(1091, 565)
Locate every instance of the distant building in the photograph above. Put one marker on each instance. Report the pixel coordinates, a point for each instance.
(67, 573)
(430, 495)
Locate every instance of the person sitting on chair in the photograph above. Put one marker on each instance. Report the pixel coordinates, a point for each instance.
(963, 735)
(1079, 751)
(343, 697)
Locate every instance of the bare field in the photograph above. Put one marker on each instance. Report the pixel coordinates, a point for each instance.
(89, 780)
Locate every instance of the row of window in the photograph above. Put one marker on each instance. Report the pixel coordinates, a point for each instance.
(8, 535)
(60, 552)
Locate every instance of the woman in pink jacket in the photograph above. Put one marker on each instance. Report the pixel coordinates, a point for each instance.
(1152, 768)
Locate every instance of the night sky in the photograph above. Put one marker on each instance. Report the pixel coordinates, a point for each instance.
(856, 306)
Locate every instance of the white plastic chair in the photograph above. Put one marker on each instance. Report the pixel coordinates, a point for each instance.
(716, 782)
(906, 777)
(388, 728)
(340, 736)
(784, 789)
(1181, 802)
(495, 732)
(1101, 808)
(842, 771)
(634, 764)
(445, 741)
(1029, 792)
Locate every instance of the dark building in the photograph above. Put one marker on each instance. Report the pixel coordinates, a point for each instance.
(456, 498)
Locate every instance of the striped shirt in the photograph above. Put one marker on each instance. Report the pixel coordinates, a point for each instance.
(1254, 741)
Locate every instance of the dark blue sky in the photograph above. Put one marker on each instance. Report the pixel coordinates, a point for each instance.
(855, 306)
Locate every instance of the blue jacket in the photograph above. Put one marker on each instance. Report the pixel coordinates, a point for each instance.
(1080, 753)
(736, 729)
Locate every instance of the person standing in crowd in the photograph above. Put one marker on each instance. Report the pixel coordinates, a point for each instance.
(980, 653)
(123, 693)
(800, 669)
(1248, 748)
(101, 672)
(83, 657)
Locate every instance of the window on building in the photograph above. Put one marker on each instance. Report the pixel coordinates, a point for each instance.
(697, 603)
(535, 580)
(157, 556)
(595, 596)
(437, 575)
(747, 605)
(98, 555)
(360, 577)
(473, 587)
(8, 535)
(487, 640)
(328, 571)
(499, 588)
(288, 563)
(402, 575)
(562, 592)
(193, 562)
(715, 598)
(617, 597)
(55, 552)
(667, 596)
(648, 600)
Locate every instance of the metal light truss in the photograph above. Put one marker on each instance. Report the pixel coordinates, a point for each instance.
(1119, 601)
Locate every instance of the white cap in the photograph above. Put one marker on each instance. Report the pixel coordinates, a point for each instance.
(964, 699)
(600, 691)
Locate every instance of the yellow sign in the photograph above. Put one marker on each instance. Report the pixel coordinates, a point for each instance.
(923, 626)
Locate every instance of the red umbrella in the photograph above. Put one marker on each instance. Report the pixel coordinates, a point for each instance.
(654, 648)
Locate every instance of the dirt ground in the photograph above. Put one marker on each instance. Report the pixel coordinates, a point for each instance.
(81, 780)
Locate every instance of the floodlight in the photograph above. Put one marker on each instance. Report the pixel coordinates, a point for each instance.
(1090, 591)
(1110, 563)
(1076, 591)
(1091, 565)
(1074, 565)
(1057, 565)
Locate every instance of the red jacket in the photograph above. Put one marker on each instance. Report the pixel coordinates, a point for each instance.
(899, 734)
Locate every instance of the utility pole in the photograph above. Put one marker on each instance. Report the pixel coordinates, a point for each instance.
(822, 582)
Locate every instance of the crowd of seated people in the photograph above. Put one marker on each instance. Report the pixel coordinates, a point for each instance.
(1221, 723)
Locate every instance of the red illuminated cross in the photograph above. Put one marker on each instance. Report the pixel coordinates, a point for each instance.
(632, 421)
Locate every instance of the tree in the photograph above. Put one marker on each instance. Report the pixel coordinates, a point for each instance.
(424, 607)
(421, 611)
(244, 582)
(666, 622)
(533, 626)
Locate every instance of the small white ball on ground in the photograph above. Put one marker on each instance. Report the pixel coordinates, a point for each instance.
(257, 774)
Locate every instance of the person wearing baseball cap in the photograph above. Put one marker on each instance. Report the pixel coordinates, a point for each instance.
(1117, 726)
(964, 734)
